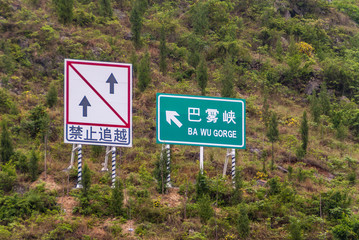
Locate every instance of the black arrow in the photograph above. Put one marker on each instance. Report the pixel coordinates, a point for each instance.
(84, 103)
(111, 80)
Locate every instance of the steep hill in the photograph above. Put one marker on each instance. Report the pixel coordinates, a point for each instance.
(294, 62)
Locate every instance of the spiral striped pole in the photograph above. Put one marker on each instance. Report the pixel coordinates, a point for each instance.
(168, 149)
(233, 164)
(79, 166)
(201, 159)
(113, 166)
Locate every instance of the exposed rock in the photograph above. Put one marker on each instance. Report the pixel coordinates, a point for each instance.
(312, 85)
(256, 151)
(119, 14)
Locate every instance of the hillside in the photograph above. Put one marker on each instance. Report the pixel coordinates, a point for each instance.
(296, 63)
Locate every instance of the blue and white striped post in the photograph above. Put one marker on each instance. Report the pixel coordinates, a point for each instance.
(168, 149)
(79, 166)
(113, 166)
(233, 153)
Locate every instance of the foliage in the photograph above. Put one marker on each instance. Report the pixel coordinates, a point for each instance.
(161, 172)
(6, 146)
(202, 75)
(304, 129)
(163, 51)
(37, 122)
(117, 198)
(51, 97)
(136, 24)
(273, 134)
(144, 71)
(335, 203)
(228, 78)
(106, 8)
(14, 207)
(243, 223)
(34, 165)
(295, 229)
(348, 228)
(86, 180)
(64, 9)
(205, 210)
(7, 177)
(237, 195)
(315, 108)
(6, 104)
(199, 17)
(202, 187)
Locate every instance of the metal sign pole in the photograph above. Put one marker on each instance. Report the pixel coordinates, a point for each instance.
(201, 159)
(74, 148)
(105, 164)
(225, 164)
(79, 166)
(113, 166)
(233, 164)
(168, 149)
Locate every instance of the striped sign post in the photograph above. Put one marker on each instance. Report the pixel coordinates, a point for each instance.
(113, 166)
(79, 166)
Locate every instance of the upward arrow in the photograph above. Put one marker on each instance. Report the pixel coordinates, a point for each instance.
(84, 103)
(112, 80)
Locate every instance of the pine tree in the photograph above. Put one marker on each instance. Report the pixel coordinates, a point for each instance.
(237, 195)
(304, 129)
(64, 9)
(163, 51)
(265, 111)
(273, 134)
(51, 97)
(202, 75)
(161, 172)
(243, 223)
(144, 77)
(33, 165)
(227, 78)
(205, 210)
(295, 229)
(136, 25)
(86, 180)
(201, 185)
(315, 108)
(6, 147)
(199, 18)
(324, 99)
(106, 8)
(117, 198)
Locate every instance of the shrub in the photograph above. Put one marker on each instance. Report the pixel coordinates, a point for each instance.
(37, 121)
(6, 147)
(144, 71)
(160, 172)
(117, 198)
(51, 97)
(243, 223)
(6, 103)
(202, 187)
(64, 9)
(106, 8)
(7, 177)
(295, 229)
(202, 75)
(33, 165)
(205, 210)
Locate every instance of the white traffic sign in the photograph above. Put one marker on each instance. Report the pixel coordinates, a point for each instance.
(98, 103)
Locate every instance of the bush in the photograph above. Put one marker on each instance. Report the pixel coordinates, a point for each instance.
(51, 97)
(117, 198)
(202, 187)
(64, 9)
(160, 172)
(34, 165)
(6, 147)
(243, 223)
(205, 210)
(7, 177)
(37, 122)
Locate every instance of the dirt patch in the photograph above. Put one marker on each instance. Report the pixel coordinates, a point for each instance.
(49, 182)
(129, 228)
(172, 198)
(67, 204)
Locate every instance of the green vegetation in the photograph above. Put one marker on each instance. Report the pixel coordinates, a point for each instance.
(294, 62)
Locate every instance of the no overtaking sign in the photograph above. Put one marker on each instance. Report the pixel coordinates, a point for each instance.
(98, 103)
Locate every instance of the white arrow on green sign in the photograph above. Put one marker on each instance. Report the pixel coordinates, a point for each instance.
(201, 121)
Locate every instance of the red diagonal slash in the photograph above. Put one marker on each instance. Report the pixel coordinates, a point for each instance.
(98, 94)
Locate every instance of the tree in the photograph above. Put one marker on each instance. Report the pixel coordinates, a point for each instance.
(106, 8)
(64, 9)
(227, 78)
(163, 51)
(199, 17)
(273, 134)
(237, 195)
(33, 165)
(117, 198)
(144, 77)
(202, 75)
(205, 210)
(136, 25)
(6, 147)
(315, 108)
(324, 99)
(161, 172)
(243, 222)
(295, 229)
(202, 187)
(86, 180)
(304, 129)
(51, 97)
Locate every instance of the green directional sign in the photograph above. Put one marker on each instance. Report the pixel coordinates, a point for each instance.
(201, 121)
